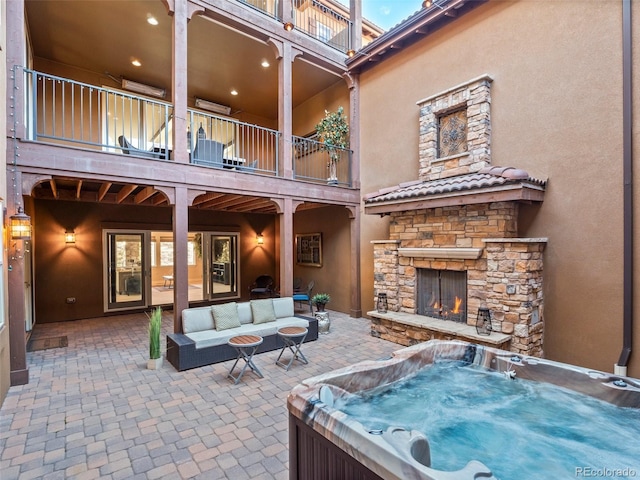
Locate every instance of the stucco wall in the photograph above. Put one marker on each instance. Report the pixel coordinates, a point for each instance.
(334, 277)
(556, 112)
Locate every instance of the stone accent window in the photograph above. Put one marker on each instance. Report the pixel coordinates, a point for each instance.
(455, 130)
(452, 133)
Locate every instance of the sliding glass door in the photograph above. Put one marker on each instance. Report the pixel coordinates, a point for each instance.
(139, 267)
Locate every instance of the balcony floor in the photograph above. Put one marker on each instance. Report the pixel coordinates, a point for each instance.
(92, 409)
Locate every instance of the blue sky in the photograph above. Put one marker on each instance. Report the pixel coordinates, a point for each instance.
(387, 13)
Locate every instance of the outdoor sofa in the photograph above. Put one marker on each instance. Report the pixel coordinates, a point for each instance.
(206, 330)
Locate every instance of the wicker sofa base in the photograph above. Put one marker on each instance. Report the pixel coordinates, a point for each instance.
(183, 354)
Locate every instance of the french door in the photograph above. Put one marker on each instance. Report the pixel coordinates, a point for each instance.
(127, 270)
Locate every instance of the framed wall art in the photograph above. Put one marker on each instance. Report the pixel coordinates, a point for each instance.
(309, 249)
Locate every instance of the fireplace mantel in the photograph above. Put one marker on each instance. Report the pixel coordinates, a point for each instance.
(441, 253)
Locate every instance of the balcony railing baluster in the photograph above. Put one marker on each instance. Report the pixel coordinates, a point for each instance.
(311, 162)
(67, 112)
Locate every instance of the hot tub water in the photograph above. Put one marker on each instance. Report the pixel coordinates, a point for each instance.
(518, 428)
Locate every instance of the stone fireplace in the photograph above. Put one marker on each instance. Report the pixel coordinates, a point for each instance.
(453, 243)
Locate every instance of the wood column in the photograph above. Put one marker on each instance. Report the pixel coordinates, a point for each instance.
(356, 293)
(355, 11)
(19, 372)
(179, 81)
(286, 247)
(180, 261)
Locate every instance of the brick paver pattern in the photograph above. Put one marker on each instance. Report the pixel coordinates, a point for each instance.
(93, 409)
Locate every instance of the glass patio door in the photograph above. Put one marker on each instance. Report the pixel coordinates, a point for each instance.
(126, 270)
(223, 265)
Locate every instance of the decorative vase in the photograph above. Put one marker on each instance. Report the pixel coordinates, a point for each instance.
(333, 172)
(324, 322)
(154, 363)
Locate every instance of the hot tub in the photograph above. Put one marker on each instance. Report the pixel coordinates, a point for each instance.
(339, 427)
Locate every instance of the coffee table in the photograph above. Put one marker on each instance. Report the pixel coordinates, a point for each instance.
(246, 345)
(293, 337)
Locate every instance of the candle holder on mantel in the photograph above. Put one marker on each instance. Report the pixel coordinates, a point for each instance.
(382, 305)
(483, 322)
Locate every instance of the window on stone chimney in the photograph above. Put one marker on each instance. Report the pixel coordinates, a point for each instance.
(452, 133)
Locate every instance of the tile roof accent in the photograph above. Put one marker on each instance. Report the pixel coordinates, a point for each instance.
(486, 179)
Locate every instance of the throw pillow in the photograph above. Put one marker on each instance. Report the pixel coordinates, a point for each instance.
(225, 315)
(262, 311)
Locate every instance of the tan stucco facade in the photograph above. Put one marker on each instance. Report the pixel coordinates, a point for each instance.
(556, 112)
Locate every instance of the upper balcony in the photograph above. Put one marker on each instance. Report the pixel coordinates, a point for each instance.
(67, 112)
(85, 53)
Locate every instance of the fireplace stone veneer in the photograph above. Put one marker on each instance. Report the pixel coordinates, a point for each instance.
(504, 273)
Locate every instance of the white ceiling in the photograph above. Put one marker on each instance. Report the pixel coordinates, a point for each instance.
(104, 36)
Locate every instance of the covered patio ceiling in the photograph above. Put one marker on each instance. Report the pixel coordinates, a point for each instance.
(74, 189)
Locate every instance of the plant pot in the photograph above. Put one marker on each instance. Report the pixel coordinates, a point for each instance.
(324, 322)
(333, 173)
(154, 363)
(320, 307)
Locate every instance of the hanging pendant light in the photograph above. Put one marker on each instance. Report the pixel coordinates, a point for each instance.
(20, 225)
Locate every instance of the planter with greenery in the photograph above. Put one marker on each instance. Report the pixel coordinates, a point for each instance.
(333, 131)
(155, 327)
(320, 300)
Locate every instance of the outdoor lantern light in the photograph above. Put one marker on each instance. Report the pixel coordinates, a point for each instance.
(20, 225)
(70, 237)
(483, 322)
(288, 26)
(351, 52)
(382, 303)
(426, 4)
(260, 239)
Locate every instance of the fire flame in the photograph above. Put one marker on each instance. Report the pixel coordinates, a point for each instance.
(456, 308)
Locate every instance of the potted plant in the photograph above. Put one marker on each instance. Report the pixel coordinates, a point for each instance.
(155, 326)
(333, 131)
(320, 300)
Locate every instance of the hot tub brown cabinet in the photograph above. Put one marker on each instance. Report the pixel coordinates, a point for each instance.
(313, 457)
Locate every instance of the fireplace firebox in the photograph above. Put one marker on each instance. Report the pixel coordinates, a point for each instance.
(442, 294)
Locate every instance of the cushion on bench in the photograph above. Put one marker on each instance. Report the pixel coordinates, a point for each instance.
(197, 319)
(212, 338)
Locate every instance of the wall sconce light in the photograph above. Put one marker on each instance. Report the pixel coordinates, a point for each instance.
(260, 239)
(351, 52)
(427, 3)
(20, 225)
(70, 237)
(288, 26)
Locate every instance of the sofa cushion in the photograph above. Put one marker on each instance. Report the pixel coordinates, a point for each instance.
(214, 338)
(283, 307)
(262, 311)
(225, 315)
(197, 319)
(244, 312)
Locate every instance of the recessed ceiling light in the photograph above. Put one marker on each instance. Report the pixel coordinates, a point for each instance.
(234, 92)
(151, 20)
(265, 64)
(136, 63)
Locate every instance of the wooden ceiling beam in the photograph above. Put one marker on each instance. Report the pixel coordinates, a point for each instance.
(206, 198)
(54, 188)
(144, 194)
(124, 192)
(104, 188)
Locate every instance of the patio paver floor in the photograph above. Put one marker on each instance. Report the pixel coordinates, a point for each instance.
(93, 410)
